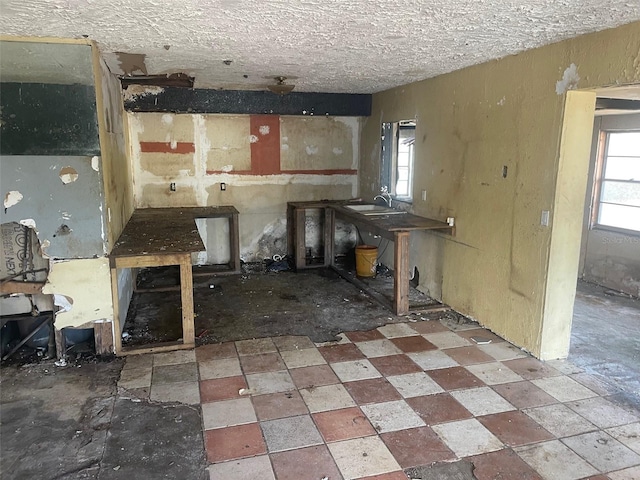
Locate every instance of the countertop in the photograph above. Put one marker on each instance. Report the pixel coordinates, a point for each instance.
(153, 231)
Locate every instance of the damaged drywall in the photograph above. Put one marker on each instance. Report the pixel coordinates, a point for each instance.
(62, 196)
(82, 289)
(238, 160)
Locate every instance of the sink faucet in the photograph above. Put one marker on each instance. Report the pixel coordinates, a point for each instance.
(385, 195)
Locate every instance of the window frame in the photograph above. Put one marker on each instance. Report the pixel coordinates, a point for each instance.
(390, 132)
(599, 179)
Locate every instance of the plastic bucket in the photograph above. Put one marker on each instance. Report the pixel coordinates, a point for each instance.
(366, 260)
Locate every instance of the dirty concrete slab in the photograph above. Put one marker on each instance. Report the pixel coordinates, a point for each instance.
(168, 442)
(461, 470)
(315, 303)
(605, 339)
(69, 423)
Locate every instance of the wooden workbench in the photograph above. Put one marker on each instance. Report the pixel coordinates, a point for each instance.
(156, 237)
(396, 228)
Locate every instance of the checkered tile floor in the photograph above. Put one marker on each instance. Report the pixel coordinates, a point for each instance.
(379, 402)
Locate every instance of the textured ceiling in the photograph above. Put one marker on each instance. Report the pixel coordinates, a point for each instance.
(360, 46)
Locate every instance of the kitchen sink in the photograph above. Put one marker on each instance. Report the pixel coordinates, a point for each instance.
(371, 210)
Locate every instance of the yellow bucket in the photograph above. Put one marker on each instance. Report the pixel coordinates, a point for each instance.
(366, 260)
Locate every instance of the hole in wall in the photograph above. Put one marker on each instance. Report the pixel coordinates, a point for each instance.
(68, 175)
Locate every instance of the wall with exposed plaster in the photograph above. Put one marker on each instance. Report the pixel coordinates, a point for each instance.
(608, 258)
(59, 189)
(86, 284)
(472, 123)
(264, 161)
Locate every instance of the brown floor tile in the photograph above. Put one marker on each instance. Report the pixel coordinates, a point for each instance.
(515, 428)
(234, 442)
(315, 376)
(480, 332)
(290, 342)
(387, 476)
(438, 408)
(221, 388)
(454, 378)
(413, 344)
(278, 405)
(395, 364)
(215, 351)
(469, 355)
(364, 336)
(345, 352)
(524, 394)
(310, 462)
(531, 368)
(265, 362)
(374, 390)
(503, 464)
(416, 446)
(429, 326)
(343, 424)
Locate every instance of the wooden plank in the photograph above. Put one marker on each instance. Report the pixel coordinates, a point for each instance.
(117, 330)
(401, 273)
(234, 242)
(156, 348)
(329, 232)
(173, 288)
(14, 286)
(152, 260)
(300, 217)
(103, 335)
(61, 347)
(186, 284)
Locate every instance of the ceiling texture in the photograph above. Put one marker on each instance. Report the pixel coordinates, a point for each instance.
(346, 46)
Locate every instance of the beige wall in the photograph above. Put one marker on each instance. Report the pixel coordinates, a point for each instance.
(472, 123)
(222, 153)
(609, 258)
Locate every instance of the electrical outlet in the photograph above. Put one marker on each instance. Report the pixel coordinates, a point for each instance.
(544, 218)
(172, 186)
(223, 186)
(424, 195)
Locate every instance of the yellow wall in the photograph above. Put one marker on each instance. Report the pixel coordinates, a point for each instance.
(471, 123)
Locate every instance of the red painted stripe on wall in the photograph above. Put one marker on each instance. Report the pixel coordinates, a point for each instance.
(265, 150)
(165, 147)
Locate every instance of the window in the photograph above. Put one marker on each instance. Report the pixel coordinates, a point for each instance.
(617, 191)
(398, 146)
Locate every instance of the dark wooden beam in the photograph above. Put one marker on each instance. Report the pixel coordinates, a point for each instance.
(617, 104)
(195, 100)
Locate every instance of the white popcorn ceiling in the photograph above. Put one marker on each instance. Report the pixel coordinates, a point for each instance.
(359, 46)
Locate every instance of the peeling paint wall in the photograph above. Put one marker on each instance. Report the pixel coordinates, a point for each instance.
(611, 259)
(67, 216)
(264, 161)
(86, 284)
(470, 124)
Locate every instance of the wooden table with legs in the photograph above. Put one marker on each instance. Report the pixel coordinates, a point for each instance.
(156, 237)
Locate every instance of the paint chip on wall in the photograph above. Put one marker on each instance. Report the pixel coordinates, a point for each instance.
(337, 151)
(253, 138)
(311, 149)
(569, 81)
(95, 163)
(167, 119)
(28, 222)
(227, 168)
(68, 175)
(11, 198)
(264, 129)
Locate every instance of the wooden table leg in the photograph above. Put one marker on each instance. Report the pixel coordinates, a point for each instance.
(234, 242)
(329, 235)
(401, 273)
(186, 294)
(117, 331)
(301, 254)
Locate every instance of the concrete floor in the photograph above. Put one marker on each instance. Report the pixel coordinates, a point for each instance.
(605, 339)
(73, 423)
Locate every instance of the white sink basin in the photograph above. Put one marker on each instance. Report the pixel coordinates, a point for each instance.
(370, 209)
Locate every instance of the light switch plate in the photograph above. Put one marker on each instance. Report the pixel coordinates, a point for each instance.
(544, 218)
